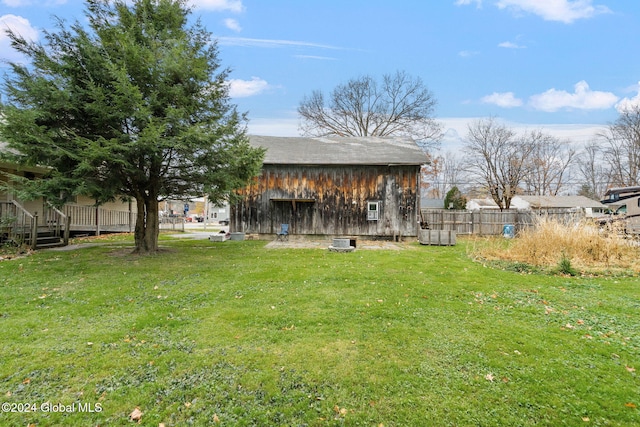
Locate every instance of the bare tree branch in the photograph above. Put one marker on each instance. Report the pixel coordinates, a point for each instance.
(401, 105)
(622, 150)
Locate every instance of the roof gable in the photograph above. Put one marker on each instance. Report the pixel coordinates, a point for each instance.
(340, 150)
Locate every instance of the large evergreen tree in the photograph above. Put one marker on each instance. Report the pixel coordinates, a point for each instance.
(132, 105)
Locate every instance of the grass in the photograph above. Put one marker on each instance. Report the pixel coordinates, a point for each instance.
(234, 333)
(578, 247)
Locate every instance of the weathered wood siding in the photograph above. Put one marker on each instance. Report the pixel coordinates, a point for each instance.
(330, 200)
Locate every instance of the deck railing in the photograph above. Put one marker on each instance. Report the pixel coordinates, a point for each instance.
(57, 222)
(99, 219)
(17, 224)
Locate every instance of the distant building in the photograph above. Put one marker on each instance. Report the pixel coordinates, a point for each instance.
(581, 204)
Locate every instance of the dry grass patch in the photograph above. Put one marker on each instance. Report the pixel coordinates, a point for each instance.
(569, 248)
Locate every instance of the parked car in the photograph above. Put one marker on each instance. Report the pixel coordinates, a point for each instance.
(224, 221)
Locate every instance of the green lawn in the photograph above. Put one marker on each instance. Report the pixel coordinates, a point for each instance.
(234, 333)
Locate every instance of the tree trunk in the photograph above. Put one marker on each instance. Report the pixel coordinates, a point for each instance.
(147, 225)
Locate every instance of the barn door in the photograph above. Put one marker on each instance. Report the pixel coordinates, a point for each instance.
(282, 214)
(298, 213)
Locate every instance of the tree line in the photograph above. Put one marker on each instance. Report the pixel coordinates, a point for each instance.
(501, 163)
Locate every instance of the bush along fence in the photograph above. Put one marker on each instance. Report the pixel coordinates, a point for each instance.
(485, 222)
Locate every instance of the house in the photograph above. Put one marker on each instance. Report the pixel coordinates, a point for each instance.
(481, 204)
(80, 216)
(551, 204)
(430, 203)
(355, 186)
(579, 204)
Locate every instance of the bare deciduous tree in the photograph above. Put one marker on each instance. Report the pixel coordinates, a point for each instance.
(622, 152)
(594, 174)
(441, 175)
(497, 157)
(400, 105)
(548, 164)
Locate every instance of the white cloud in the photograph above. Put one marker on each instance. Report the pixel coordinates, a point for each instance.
(566, 11)
(235, 6)
(270, 43)
(232, 24)
(468, 53)
(465, 2)
(583, 98)
(629, 103)
(16, 3)
(511, 45)
(504, 100)
(18, 25)
(245, 88)
(319, 58)
(457, 129)
(277, 126)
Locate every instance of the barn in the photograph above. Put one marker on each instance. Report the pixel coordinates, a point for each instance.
(348, 186)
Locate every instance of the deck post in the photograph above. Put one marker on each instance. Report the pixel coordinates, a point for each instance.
(34, 231)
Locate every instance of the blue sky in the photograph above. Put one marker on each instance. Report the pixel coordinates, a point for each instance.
(565, 66)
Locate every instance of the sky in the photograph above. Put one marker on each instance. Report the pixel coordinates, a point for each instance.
(566, 67)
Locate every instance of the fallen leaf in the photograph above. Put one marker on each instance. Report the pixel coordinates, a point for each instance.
(26, 381)
(216, 419)
(630, 369)
(630, 405)
(161, 425)
(489, 377)
(187, 404)
(585, 419)
(136, 414)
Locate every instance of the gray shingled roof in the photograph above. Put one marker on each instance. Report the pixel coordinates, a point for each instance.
(562, 202)
(339, 151)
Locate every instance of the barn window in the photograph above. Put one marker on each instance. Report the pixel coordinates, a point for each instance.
(372, 211)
